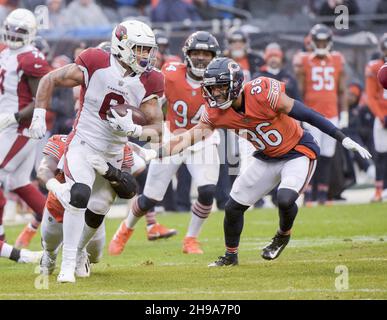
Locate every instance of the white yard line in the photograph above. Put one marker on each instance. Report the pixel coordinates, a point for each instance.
(39, 293)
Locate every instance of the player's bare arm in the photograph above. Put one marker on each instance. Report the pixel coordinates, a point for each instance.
(299, 111)
(67, 76)
(182, 141)
(46, 171)
(154, 116)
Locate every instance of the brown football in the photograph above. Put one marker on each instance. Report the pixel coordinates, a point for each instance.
(137, 115)
(382, 76)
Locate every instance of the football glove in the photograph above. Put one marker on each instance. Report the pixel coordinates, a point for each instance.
(124, 125)
(6, 120)
(349, 144)
(38, 124)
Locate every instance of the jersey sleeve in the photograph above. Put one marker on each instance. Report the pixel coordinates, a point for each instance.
(153, 82)
(128, 158)
(265, 91)
(55, 147)
(91, 60)
(34, 64)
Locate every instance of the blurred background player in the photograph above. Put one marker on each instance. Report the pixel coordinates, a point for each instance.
(22, 67)
(377, 102)
(163, 54)
(184, 108)
(322, 84)
(17, 255)
(238, 48)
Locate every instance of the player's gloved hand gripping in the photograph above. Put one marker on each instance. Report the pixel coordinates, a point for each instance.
(124, 125)
(60, 190)
(38, 124)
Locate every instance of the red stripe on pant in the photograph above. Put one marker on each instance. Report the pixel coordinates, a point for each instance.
(33, 198)
(19, 143)
(3, 201)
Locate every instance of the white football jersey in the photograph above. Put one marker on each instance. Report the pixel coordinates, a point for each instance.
(15, 68)
(104, 86)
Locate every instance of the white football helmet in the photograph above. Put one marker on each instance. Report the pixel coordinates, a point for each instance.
(19, 28)
(133, 43)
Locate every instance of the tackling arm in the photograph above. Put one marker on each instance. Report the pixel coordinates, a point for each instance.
(46, 171)
(182, 141)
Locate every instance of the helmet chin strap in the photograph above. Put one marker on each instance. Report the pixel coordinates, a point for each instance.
(225, 105)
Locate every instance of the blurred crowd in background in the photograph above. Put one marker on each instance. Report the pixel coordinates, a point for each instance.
(253, 31)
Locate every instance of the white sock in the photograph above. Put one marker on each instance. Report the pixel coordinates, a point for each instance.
(96, 244)
(87, 233)
(195, 226)
(73, 222)
(6, 250)
(51, 232)
(131, 220)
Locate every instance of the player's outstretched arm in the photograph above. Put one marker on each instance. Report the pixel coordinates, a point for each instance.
(299, 111)
(67, 76)
(46, 170)
(182, 141)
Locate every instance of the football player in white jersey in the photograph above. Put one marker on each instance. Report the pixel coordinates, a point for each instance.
(21, 68)
(126, 75)
(184, 104)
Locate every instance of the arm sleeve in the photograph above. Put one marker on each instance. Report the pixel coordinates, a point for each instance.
(303, 113)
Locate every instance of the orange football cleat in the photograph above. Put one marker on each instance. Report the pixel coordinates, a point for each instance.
(120, 238)
(25, 237)
(191, 246)
(158, 231)
(377, 196)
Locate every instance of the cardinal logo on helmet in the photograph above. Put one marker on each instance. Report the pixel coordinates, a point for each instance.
(121, 33)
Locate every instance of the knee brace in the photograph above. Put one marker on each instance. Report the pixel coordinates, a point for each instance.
(80, 195)
(206, 194)
(92, 219)
(145, 203)
(286, 198)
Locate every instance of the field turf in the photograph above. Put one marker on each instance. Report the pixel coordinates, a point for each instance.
(323, 239)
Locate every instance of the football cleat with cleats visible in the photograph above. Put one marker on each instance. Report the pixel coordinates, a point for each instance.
(275, 247)
(158, 231)
(226, 260)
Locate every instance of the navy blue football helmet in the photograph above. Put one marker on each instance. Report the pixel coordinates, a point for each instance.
(222, 72)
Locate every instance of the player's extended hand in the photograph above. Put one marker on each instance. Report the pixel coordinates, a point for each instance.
(38, 124)
(60, 190)
(349, 144)
(146, 154)
(124, 125)
(98, 163)
(6, 120)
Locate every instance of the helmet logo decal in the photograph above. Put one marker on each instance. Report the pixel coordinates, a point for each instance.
(233, 67)
(121, 32)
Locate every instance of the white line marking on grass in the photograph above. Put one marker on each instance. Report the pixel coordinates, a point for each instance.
(174, 293)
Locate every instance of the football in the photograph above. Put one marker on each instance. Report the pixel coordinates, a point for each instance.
(137, 115)
(382, 76)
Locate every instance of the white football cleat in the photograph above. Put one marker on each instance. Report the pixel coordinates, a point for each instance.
(27, 256)
(47, 263)
(82, 269)
(66, 275)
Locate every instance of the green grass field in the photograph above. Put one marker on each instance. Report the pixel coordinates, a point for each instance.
(323, 238)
